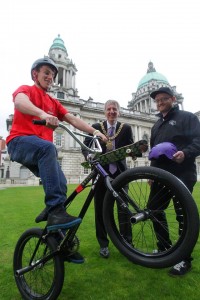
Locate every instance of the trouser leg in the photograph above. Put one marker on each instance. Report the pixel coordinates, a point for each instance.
(157, 203)
(178, 208)
(124, 222)
(40, 157)
(101, 232)
(179, 216)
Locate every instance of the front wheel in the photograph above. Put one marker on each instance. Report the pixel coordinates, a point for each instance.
(45, 280)
(157, 223)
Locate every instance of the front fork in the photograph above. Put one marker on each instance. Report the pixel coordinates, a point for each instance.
(135, 217)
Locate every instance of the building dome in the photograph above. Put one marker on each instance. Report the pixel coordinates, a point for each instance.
(58, 43)
(141, 100)
(152, 75)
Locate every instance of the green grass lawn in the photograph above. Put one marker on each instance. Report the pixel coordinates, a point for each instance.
(98, 279)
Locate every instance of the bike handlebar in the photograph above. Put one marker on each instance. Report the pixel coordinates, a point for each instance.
(135, 150)
(39, 122)
(96, 147)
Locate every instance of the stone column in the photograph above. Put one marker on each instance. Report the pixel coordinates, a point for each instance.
(64, 78)
(136, 133)
(139, 133)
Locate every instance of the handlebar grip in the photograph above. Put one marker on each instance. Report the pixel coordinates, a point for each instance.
(39, 122)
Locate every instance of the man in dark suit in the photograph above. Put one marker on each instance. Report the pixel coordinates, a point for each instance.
(119, 135)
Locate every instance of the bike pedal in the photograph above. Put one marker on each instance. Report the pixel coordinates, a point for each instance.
(63, 226)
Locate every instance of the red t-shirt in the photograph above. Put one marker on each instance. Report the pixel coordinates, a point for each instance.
(22, 123)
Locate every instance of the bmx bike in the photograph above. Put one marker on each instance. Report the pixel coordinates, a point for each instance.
(40, 253)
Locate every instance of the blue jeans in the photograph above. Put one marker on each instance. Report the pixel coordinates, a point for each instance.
(40, 157)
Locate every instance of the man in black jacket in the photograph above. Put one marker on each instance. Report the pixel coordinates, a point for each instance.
(182, 129)
(120, 136)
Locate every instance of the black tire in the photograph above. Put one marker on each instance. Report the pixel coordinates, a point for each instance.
(175, 215)
(45, 281)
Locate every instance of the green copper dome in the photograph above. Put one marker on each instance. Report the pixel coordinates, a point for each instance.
(152, 75)
(58, 43)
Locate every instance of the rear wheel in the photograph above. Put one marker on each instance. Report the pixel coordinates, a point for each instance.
(160, 226)
(45, 280)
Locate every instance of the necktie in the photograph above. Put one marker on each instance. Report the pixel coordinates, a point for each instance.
(112, 166)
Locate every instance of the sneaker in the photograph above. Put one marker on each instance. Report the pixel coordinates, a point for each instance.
(181, 268)
(104, 252)
(58, 218)
(42, 216)
(75, 258)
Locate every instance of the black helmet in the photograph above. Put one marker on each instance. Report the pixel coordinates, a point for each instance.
(44, 61)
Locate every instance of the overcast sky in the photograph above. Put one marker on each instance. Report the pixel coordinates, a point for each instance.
(110, 41)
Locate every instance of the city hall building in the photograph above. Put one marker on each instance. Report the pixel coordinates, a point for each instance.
(140, 114)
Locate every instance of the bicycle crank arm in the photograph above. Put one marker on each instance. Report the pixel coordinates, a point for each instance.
(23, 270)
(37, 264)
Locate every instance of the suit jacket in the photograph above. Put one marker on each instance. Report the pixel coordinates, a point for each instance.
(124, 138)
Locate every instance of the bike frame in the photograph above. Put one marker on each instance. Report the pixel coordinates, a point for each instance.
(97, 173)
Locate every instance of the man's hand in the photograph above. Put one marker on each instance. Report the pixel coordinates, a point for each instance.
(179, 157)
(132, 156)
(51, 121)
(143, 148)
(102, 136)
